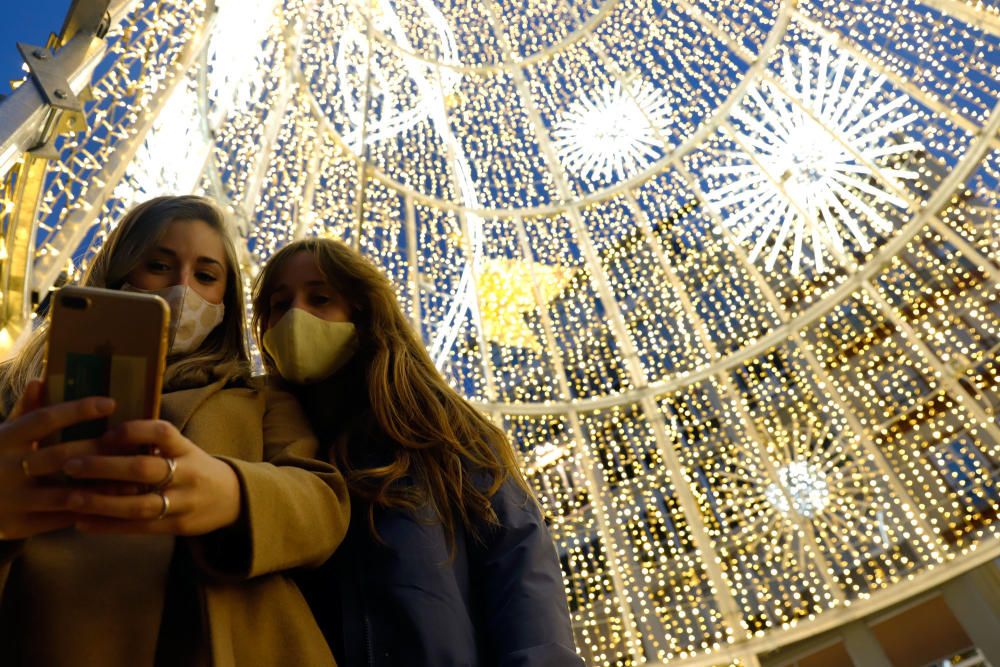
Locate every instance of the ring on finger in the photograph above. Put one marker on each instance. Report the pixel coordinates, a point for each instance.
(166, 505)
(24, 467)
(171, 467)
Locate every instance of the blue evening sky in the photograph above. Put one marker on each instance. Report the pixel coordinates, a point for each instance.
(26, 22)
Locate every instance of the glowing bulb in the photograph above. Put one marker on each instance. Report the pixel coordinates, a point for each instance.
(804, 484)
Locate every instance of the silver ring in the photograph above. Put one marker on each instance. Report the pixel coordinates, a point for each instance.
(166, 505)
(171, 467)
(24, 467)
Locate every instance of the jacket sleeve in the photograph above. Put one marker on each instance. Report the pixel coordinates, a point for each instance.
(295, 507)
(525, 618)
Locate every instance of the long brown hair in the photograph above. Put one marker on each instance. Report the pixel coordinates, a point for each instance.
(440, 440)
(222, 354)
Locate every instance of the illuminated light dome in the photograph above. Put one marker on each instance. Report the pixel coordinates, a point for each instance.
(725, 271)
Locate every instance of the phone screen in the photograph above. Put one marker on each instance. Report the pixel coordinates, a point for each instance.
(122, 377)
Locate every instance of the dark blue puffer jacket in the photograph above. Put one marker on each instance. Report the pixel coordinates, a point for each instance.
(402, 601)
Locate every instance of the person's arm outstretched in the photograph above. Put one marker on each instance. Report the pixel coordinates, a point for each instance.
(295, 506)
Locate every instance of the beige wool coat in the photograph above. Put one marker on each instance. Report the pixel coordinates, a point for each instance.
(224, 599)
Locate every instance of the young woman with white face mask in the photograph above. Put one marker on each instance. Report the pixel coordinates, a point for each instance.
(447, 560)
(179, 557)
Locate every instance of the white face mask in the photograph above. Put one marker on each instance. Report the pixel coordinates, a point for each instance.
(192, 318)
(307, 349)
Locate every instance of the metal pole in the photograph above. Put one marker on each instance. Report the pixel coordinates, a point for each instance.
(976, 16)
(361, 194)
(413, 276)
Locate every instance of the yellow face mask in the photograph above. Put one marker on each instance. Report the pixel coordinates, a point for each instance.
(307, 349)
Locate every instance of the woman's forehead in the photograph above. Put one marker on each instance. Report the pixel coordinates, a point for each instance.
(299, 269)
(194, 237)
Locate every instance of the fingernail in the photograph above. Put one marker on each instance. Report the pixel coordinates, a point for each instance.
(73, 466)
(75, 500)
(105, 404)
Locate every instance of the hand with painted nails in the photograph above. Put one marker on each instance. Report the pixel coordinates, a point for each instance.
(32, 503)
(188, 492)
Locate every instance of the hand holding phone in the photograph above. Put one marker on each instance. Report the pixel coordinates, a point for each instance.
(106, 343)
(30, 506)
(110, 343)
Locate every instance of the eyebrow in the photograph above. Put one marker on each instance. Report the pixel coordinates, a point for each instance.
(312, 283)
(202, 260)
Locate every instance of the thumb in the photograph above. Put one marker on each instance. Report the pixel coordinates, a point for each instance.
(30, 400)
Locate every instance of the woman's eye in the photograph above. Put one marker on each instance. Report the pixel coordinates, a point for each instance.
(320, 299)
(157, 266)
(207, 277)
(280, 305)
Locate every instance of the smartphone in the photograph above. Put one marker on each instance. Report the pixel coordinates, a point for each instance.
(106, 343)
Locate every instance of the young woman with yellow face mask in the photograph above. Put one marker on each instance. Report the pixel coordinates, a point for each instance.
(447, 560)
(178, 557)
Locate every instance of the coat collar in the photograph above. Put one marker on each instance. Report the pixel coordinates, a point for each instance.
(178, 406)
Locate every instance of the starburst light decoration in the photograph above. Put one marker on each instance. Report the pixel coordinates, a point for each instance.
(615, 133)
(803, 173)
(805, 490)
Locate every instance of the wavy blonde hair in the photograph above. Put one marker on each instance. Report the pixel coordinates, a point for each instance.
(439, 439)
(222, 354)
